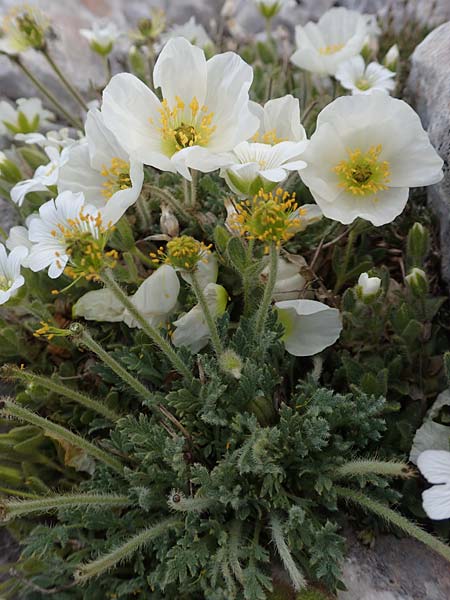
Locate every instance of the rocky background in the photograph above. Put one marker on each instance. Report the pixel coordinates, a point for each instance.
(395, 569)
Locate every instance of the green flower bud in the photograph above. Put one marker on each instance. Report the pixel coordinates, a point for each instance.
(418, 282)
(417, 244)
(231, 363)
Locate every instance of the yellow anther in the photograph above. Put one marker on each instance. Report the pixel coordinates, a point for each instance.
(331, 49)
(363, 174)
(117, 177)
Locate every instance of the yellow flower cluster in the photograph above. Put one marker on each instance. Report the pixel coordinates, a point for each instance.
(183, 252)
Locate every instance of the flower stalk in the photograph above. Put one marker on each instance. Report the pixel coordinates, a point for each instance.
(261, 315)
(210, 320)
(356, 468)
(166, 196)
(70, 88)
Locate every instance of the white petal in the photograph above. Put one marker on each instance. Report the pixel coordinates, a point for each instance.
(436, 502)
(435, 465)
(103, 145)
(99, 305)
(159, 292)
(121, 201)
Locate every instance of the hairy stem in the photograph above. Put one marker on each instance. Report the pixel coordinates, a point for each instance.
(194, 181)
(394, 518)
(153, 334)
(62, 390)
(11, 409)
(66, 83)
(297, 578)
(261, 315)
(355, 468)
(10, 509)
(210, 320)
(125, 551)
(170, 199)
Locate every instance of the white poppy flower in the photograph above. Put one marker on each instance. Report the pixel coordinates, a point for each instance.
(10, 278)
(355, 76)
(56, 139)
(101, 37)
(23, 27)
(67, 232)
(26, 117)
(366, 152)
(309, 326)
(192, 329)
(368, 287)
(323, 46)
(289, 282)
(192, 31)
(279, 121)
(44, 176)
(435, 467)
(99, 305)
(203, 116)
(102, 170)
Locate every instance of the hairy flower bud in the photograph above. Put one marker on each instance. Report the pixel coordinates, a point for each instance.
(418, 243)
(418, 282)
(231, 363)
(368, 288)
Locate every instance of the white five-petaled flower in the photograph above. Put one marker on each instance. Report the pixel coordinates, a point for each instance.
(309, 326)
(67, 231)
(191, 329)
(192, 31)
(101, 37)
(366, 152)
(10, 278)
(435, 467)
(23, 27)
(323, 46)
(274, 150)
(354, 75)
(56, 138)
(102, 170)
(44, 176)
(26, 117)
(203, 116)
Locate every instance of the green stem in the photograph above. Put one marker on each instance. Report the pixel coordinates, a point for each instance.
(246, 280)
(10, 509)
(297, 577)
(143, 257)
(153, 334)
(144, 213)
(341, 278)
(393, 517)
(194, 180)
(210, 320)
(123, 374)
(170, 199)
(355, 468)
(46, 92)
(186, 193)
(261, 315)
(11, 409)
(125, 551)
(70, 88)
(62, 390)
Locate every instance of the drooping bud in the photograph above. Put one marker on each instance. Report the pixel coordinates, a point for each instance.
(368, 288)
(168, 222)
(418, 282)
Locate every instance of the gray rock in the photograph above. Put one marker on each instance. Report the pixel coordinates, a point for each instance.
(8, 216)
(429, 91)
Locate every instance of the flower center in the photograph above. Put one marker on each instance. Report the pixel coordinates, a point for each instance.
(331, 49)
(5, 283)
(363, 84)
(184, 126)
(269, 137)
(183, 252)
(363, 174)
(117, 177)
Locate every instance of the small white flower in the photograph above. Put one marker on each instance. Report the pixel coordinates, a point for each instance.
(44, 176)
(102, 170)
(101, 37)
(391, 59)
(67, 231)
(355, 76)
(323, 46)
(368, 287)
(279, 121)
(56, 139)
(26, 117)
(270, 8)
(289, 282)
(366, 152)
(10, 278)
(203, 116)
(309, 326)
(19, 238)
(192, 31)
(192, 329)
(435, 467)
(23, 27)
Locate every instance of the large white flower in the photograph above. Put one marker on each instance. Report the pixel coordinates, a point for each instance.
(10, 278)
(192, 31)
(435, 467)
(309, 326)
(26, 117)
(366, 152)
(102, 170)
(323, 46)
(355, 76)
(204, 113)
(192, 329)
(68, 231)
(45, 176)
(101, 37)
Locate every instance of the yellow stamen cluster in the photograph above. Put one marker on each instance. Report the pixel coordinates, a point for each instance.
(184, 126)
(363, 174)
(269, 137)
(85, 239)
(5, 283)
(27, 26)
(183, 252)
(49, 331)
(363, 84)
(331, 49)
(272, 218)
(117, 177)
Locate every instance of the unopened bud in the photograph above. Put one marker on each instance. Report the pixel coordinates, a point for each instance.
(368, 288)
(418, 282)
(231, 363)
(391, 59)
(269, 8)
(8, 170)
(137, 62)
(168, 222)
(418, 243)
